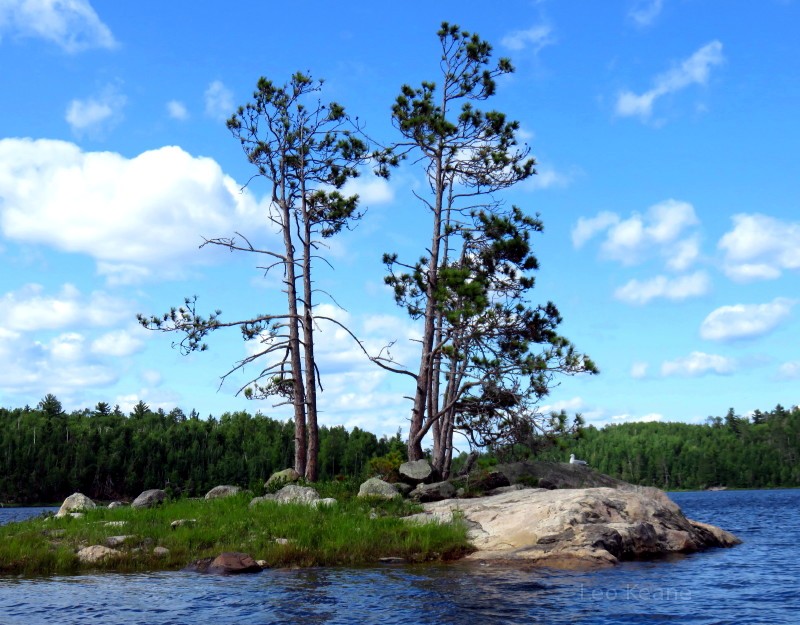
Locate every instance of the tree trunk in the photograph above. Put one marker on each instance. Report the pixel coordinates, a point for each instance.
(312, 430)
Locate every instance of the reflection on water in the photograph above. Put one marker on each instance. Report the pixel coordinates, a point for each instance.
(753, 583)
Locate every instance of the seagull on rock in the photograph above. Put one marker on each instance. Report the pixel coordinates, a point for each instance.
(574, 460)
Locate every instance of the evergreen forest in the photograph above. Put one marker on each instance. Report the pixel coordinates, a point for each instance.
(47, 454)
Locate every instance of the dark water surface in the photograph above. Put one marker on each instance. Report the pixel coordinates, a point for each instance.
(754, 583)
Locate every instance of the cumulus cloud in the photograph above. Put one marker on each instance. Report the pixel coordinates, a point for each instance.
(119, 343)
(645, 12)
(62, 365)
(96, 114)
(29, 309)
(745, 321)
(548, 178)
(662, 287)
(177, 110)
(694, 70)
(135, 216)
(698, 364)
(370, 190)
(219, 101)
(662, 229)
(536, 37)
(71, 24)
(639, 370)
(760, 247)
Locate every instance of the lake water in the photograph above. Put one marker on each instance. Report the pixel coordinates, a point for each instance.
(754, 583)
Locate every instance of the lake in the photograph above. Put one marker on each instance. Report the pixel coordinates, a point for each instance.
(754, 583)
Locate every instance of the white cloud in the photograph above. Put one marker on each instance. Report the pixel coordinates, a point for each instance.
(629, 418)
(639, 370)
(694, 70)
(574, 404)
(697, 364)
(119, 343)
(96, 114)
(645, 12)
(547, 178)
(661, 230)
(71, 24)
(151, 377)
(370, 191)
(62, 365)
(536, 37)
(177, 110)
(745, 321)
(29, 309)
(219, 101)
(586, 228)
(134, 216)
(789, 370)
(760, 247)
(662, 287)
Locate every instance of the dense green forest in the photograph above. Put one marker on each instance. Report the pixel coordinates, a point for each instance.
(761, 451)
(47, 454)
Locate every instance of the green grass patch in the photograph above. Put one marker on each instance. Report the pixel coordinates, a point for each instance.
(352, 532)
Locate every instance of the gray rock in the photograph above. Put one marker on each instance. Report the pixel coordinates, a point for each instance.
(417, 472)
(222, 491)
(117, 541)
(149, 498)
(180, 522)
(324, 503)
(376, 487)
(553, 475)
(97, 553)
(433, 492)
(506, 489)
(291, 493)
(403, 488)
(76, 502)
(577, 527)
(116, 504)
(115, 523)
(161, 552)
(287, 476)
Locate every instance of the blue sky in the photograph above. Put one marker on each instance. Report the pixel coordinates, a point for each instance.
(665, 132)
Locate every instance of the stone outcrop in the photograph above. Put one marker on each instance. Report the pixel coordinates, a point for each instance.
(418, 472)
(97, 553)
(223, 491)
(572, 528)
(76, 502)
(376, 487)
(287, 476)
(553, 475)
(149, 498)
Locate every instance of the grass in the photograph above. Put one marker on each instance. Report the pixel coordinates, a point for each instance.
(352, 532)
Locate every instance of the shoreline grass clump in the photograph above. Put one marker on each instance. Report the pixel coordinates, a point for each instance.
(353, 532)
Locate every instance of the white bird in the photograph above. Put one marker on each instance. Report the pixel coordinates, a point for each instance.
(574, 460)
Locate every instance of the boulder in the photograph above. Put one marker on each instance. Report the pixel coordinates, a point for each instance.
(160, 552)
(576, 528)
(488, 480)
(223, 491)
(149, 498)
(97, 553)
(287, 476)
(116, 504)
(376, 487)
(418, 472)
(324, 503)
(291, 493)
(180, 522)
(433, 492)
(233, 563)
(76, 502)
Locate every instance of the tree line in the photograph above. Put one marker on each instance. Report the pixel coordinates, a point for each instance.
(46, 454)
(759, 451)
